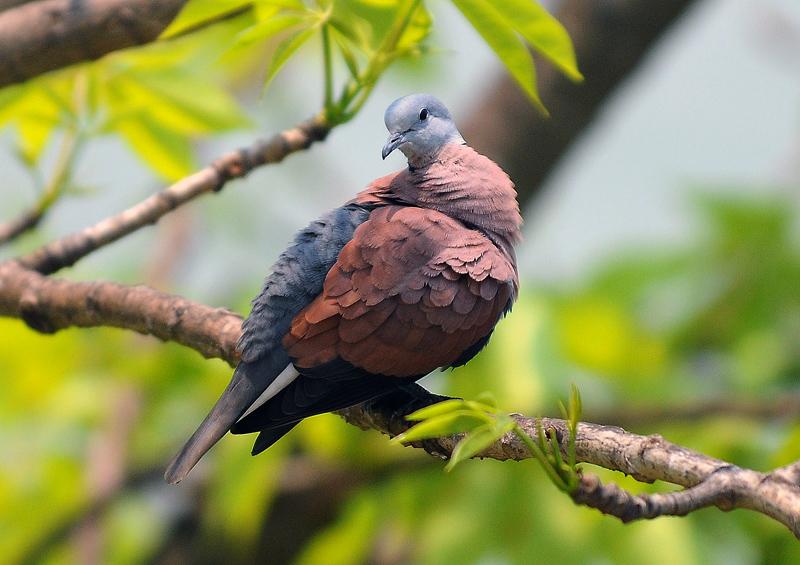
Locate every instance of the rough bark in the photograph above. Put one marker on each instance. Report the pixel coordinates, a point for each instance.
(47, 305)
(36, 37)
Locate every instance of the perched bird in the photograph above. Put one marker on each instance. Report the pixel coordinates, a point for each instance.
(409, 276)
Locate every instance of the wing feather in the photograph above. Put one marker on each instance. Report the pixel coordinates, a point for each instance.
(413, 291)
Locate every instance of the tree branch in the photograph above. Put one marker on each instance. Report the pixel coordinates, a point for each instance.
(14, 228)
(48, 305)
(37, 37)
(66, 251)
(51, 192)
(708, 481)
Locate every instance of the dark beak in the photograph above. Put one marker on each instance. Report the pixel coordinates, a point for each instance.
(395, 141)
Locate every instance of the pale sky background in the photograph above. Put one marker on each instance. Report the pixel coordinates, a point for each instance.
(717, 102)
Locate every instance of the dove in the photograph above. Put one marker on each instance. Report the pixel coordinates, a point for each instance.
(410, 276)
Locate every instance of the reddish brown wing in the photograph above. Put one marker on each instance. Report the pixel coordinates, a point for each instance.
(410, 293)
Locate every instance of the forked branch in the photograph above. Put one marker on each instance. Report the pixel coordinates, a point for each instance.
(66, 251)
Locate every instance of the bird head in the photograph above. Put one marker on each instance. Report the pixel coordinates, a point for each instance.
(419, 125)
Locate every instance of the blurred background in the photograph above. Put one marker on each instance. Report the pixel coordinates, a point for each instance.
(661, 274)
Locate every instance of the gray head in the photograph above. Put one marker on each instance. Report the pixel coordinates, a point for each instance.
(419, 125)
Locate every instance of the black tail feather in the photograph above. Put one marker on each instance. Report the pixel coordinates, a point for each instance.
(268, 437)
(311, 395)
(241, 392)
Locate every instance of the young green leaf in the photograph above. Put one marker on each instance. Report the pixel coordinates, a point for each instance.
(479, 439)
(340, 34)
(437, 409)
(505, 43)
(542, 31)
(167, 152)
(171, 98)
(197, 12)
(418, 29)
(263, 30)
(285, 50)
(486, 398)
(33, 136)
(444, 425)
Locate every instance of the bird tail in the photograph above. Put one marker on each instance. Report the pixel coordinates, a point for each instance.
(240, 394)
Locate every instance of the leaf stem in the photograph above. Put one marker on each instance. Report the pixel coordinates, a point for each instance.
(537, 452)
(62, 171)
(358, 90)
(326, 55)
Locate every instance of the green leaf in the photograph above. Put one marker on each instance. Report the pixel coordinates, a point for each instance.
(478, 440)
(268, 28)
(487, 398)
(282, 4)
(171, 99)
(177, 95)
(343, 41)
(444, 425)
(505, 43)
(285, 50)
(542, 31)
(197, 12)
(437, 409)
(34, 133)
(165, 151)
(418, 29)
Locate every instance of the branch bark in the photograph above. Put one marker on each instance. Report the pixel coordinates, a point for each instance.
(707, 481)
(8, 4)
(37, 37)
(66, 251)
(48, 305)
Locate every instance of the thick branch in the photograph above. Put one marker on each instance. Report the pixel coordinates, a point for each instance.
(48, 305)
(67, 250)
(42, 36)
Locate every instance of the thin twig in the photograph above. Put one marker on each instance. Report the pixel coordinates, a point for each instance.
(54, 189)
(66, 251)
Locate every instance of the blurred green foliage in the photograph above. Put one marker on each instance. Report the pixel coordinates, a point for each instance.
(88, 418)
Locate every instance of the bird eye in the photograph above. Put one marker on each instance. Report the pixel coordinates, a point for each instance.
(423, 114)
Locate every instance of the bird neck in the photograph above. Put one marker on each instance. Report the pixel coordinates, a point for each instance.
(421, 155)
(459, 182)
(467, 186)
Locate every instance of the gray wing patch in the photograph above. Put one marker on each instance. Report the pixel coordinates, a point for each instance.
(296, 279)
